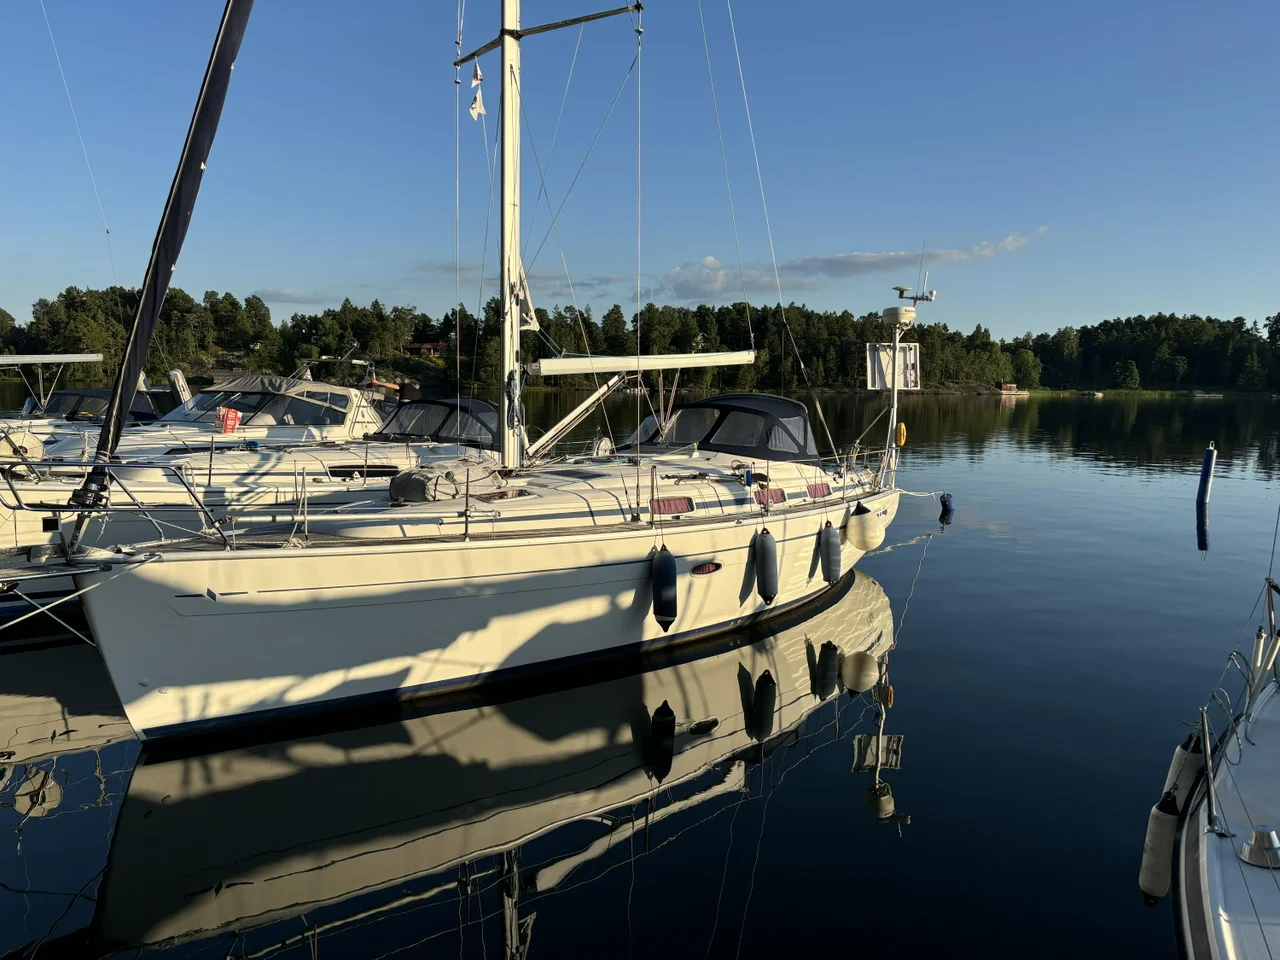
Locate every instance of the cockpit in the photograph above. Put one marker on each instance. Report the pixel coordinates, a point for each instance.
(470, 422)
(754, 425)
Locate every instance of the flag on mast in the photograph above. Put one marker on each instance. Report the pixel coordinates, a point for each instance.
(528, 319)
(477, 105)
(476, 75)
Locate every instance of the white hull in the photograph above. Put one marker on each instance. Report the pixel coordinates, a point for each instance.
(200, 846)
(1226, 907)
(200, 639)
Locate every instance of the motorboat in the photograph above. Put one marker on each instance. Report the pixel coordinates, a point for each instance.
(183, 491)
(51, 412)
(86, 405)
(268, 409)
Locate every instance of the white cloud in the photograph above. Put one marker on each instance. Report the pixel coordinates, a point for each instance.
(709, 279)
(838, 265)
(289, 295)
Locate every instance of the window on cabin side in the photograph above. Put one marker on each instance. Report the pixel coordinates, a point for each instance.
(740, 429)
(416, 420)
(782, 442)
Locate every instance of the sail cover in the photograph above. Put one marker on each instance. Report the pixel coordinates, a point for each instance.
(561, 366)
(176, 218)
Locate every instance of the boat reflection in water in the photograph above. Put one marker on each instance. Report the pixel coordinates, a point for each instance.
(458, 823)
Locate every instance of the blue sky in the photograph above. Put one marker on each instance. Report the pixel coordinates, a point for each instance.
(1061, 163)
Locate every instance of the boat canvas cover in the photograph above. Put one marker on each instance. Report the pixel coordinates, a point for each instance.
(312, 390)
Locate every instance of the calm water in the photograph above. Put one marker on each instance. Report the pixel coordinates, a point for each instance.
(1056, 633)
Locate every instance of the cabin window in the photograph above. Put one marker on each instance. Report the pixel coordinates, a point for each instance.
(339, 400)
(465, 427)
(295, 412)
(690, 426)
(416, 420)
(362, 470)
(686, 427)
(507, 494)
(740, 429)
(202, 406)
(671, 506)
(799, 428)
(782, 441)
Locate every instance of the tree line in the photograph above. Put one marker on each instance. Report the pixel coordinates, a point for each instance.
(220, 331)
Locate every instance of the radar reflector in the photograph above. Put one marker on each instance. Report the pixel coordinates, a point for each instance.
(880, 366)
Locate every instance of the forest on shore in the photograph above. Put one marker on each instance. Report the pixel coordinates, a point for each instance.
(220, 332)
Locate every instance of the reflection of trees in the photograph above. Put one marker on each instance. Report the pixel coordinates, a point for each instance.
(1151, 433)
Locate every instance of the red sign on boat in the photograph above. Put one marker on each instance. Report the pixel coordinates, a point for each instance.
(227, 419)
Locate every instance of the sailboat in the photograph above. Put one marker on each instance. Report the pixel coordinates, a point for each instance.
(1211, 837)
(720, 514)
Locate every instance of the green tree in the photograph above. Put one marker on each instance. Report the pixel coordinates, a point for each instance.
(230, 326)
(7, 324)
(1179, 368)
(614, 327)
(1253, 376)
(1026, 369)
(257, 318)
(425, 330)
(1125, 376)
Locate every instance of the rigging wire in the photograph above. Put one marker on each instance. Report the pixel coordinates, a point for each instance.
(555, 135)
(907, 606)
(777, 279)
(80, 136)
(724, 161)
(84, 150)
(543, 191)
(737, 807)
(594, 140)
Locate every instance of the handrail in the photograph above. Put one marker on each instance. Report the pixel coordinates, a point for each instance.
(113, 470)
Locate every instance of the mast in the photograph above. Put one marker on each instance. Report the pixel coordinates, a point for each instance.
(517, 311)
(891, 451)
(511, 274)
(900, 318)
(168, 243)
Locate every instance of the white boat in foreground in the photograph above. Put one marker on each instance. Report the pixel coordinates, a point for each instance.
(530, 570)
(1212, 838)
